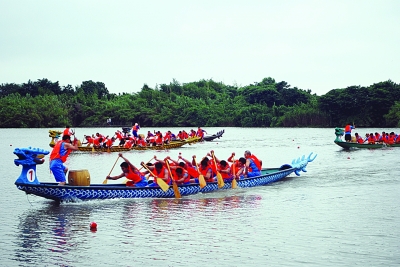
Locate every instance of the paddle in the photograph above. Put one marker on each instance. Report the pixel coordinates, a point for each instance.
(105, 181)
(161, 183)
(234, 182)
(202, 181)
(219, 176)
(174, 185)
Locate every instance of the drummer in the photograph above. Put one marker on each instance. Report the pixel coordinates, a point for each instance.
(59, 155)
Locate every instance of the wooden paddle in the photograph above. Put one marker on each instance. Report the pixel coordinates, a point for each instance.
(174, 185)
(234, 182)
(220, 180)
(202, 181)
(105, 181)
(161, 183)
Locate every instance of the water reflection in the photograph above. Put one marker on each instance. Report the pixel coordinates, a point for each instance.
(50, 229)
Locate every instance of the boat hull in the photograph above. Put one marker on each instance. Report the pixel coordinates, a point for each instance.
(214, 136)
(70, 193)
(351, 145)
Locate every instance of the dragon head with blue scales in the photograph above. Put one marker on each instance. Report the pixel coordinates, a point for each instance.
(29, 158)
(339, 132)
(300, 164)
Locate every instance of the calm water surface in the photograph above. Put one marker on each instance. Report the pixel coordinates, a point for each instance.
(343, 212)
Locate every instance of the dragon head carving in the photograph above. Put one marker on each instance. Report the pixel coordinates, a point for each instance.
(29, 156)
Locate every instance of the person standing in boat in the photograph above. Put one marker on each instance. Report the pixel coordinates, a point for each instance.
(68, 131)
(135, 177)
(200, 132)
(59, 155)
(135, 129)
(347, 132)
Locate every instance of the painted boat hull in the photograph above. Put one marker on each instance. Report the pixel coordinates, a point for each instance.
(69, 193)
(351, 145)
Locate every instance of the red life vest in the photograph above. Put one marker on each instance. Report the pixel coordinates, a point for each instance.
(55, 153)
(224, 174)
(347, 128)
(175, 175)
(119, 135)
(142, 142)
(161, 175)
(109, 142)
(256, 161)
(131, 175)
(371, 139)
(235, 167)
(200, 133)
(192, 171)
(204, 173)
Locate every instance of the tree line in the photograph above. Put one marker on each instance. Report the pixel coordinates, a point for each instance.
(208, 103)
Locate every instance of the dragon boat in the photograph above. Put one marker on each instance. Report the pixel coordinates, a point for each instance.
(214, 136)
(29, 183)
(339, 132)
(56, 135)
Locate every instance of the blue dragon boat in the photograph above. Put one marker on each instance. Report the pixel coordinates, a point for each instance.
(28, 182)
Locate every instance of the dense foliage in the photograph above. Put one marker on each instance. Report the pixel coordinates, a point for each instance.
(203, 103)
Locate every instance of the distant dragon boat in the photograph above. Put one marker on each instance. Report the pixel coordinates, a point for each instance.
(28, 182)
(214, 136)
(339, 132)
(56, 135)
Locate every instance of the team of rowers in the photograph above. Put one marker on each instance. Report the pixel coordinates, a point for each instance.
(183, 171)
(127, 140)
(384, 138)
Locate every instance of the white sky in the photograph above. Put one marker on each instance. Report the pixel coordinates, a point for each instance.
(310, 44)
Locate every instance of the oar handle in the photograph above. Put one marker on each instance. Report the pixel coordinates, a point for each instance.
(113, 166)
(215, 162)
(146, 163)
(144, 166)
(197, 165)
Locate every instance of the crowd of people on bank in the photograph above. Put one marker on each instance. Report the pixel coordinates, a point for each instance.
(183, 171)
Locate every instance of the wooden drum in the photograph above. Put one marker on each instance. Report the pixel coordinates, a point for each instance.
(79, 177)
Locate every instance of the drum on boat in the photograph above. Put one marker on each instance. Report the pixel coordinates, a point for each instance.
(79, 177)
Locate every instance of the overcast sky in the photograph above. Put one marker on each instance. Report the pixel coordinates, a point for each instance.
(310, 44)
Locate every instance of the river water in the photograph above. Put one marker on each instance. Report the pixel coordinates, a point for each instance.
(344, 211)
